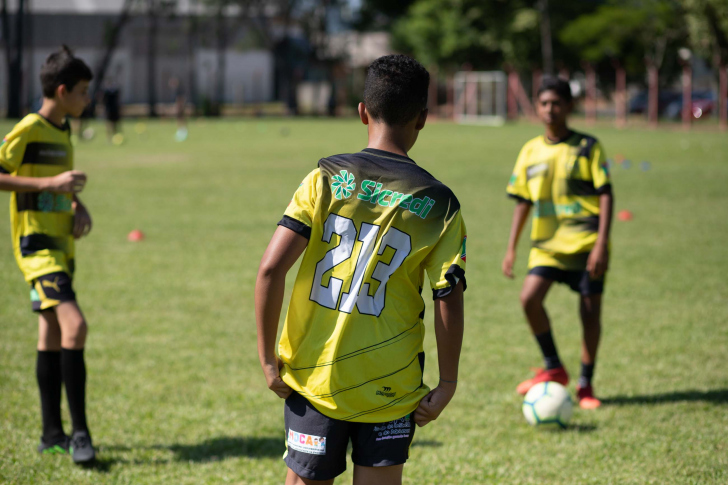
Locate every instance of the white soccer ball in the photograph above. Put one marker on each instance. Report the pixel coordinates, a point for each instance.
(548, 404)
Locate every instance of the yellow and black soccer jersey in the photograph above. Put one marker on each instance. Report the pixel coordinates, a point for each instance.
(41, 222)
(352, 341)
(563, 181)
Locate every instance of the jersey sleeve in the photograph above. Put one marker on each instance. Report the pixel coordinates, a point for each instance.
(600, 170)
(445, 265)
(12, 149)
(299, 214)
(518, 183)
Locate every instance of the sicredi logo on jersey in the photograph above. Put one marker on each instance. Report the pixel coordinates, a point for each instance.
(343, 187)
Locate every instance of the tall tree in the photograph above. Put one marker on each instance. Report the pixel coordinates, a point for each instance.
(15, 65)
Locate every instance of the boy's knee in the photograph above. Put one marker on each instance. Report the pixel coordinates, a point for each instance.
(74, 335)
(530, 301)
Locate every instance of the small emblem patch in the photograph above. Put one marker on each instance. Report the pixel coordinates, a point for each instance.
(307, 443)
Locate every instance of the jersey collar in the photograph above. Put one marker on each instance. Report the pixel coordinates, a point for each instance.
(65, 127)
(549, 141)
(388, 155)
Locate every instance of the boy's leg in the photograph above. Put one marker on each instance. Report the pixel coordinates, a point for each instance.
(386, 475)
(73, 338)
(590, 310)
(533, 294)
(293, 479)
(48, 374)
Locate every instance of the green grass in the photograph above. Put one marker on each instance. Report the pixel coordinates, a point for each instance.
(175, 394)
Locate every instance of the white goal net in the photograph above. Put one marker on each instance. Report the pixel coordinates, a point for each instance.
(480, 97)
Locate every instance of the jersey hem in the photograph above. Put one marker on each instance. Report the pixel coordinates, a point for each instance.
(518, 198)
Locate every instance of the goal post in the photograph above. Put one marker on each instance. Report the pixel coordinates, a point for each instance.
(480, 97)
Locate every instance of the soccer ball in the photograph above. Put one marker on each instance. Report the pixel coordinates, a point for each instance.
(547, 404)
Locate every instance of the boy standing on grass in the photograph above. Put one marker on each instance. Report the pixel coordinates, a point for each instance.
(46, 215)
(563, 174)
(351, 352)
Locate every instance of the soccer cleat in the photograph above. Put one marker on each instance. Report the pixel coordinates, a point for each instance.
(586, 398)
(55, 447)
(82, 448)
(558, 374)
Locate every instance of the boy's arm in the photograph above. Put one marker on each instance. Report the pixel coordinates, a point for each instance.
(72, 181)
(449, 322)
(598, 261)
(520, 215)
(283, 250)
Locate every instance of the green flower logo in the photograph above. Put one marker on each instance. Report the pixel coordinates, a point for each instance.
(343, 185)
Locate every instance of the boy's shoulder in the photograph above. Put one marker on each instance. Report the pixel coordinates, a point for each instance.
(586, 143)
(26, 126)
(389, 165)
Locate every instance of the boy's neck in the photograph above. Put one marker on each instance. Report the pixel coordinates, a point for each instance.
(51, 111)
(390, 139)
(557, 133)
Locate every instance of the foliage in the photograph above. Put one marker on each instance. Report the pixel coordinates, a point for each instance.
(707, 22)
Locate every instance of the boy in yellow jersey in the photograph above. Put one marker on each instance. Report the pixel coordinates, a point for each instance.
(563, 175)
(351, 357)
(46, 215)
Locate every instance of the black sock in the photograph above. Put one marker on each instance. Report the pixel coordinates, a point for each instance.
(48, 373)
(74, 375)
(548, 349)
(587, 372)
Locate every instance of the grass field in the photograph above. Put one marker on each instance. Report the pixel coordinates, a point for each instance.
(175, 394)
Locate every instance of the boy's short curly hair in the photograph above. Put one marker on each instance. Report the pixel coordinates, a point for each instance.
(557, 85)
(395, 90)
(63, 68)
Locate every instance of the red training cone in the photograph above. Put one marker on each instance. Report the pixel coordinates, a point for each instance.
(135, 235)
(624, 215)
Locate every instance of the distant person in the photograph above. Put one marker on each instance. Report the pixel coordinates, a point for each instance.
(46, 215)
(563, 175)
(369, 226)
(180, 106)
(112, 106)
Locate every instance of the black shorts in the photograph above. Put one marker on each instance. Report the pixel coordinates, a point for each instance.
(49, 290)
(578, 280)
(316, 444)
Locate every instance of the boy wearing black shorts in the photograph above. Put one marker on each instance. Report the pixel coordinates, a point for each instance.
(350, 359)
(46, 215)
(563, 175)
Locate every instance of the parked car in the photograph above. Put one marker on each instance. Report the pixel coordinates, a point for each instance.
(703, 103)
(638, 104)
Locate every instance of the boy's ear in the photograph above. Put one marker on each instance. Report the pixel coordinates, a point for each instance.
(363, 115)
(421, 119)
(61, 91)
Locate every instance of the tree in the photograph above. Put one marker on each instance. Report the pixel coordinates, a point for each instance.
(631, 32)
(15, 60)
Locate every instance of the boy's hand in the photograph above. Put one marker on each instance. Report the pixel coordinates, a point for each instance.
(72, 181)
(598, 261)
(432, 405)
(81, 221)
(273, 378)
(508, 261)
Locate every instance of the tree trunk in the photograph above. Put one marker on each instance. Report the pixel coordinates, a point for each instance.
(723, 96)
(591, 93)
(546, 47)
(652, 98)
(221, 47)
(621, 95)
(687, 85)
(152, 59)
(191, 69)
(15, 67)
(110, 47)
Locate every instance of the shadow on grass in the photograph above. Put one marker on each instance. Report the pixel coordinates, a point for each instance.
(580, 428)
(217, 449)
(427, 443)
(716, 396)
(100, 465)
